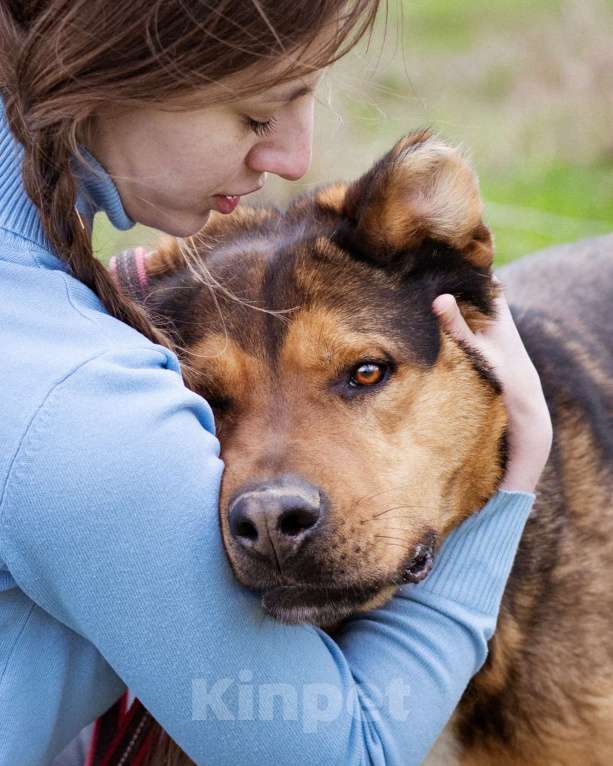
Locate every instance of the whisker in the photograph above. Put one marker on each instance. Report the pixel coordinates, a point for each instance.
(387, 519)
(388, 537)
(398, 529)
(377, 494)
(395, 545)
(399, 507)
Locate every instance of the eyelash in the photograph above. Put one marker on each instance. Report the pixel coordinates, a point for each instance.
(261, 128)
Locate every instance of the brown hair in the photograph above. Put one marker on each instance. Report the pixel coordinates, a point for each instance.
(57, 72)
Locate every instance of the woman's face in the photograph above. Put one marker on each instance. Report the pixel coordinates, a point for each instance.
(173, 167)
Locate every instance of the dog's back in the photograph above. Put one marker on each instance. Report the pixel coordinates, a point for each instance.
(571, 285)
(545, 696)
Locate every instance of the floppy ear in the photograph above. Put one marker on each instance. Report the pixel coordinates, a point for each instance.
(423, 189)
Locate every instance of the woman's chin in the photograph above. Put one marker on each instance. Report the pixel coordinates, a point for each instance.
(180, 224)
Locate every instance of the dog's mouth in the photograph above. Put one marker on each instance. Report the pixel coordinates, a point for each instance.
(318, 605)
(321, 604)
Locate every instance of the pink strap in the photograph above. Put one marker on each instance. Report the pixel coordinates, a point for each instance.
(129, 272)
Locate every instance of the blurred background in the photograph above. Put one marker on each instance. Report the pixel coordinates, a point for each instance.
(526, 87)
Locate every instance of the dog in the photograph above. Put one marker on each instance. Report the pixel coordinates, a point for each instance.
(356, 433)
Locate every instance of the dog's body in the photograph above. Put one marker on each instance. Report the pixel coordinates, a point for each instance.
(545, 696)
(349, 383)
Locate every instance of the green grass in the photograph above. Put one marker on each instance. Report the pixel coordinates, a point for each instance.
(454, 25)
(107, 240)
(538, 207)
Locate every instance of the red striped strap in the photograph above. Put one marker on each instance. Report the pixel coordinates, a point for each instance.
(105, 728)
(122, 738)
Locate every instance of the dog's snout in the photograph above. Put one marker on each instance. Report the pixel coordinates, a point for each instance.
(274, 518)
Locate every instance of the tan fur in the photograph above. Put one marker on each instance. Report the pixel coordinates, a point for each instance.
(332, 198)
(428, 191)
(434, 480)
(440, 192)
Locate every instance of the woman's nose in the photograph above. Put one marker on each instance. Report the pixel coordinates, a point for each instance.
(287, 153)
(291, 164)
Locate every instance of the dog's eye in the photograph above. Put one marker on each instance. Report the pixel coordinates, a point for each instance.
(368, 374)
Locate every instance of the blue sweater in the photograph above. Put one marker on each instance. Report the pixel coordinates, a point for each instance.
(112, 570)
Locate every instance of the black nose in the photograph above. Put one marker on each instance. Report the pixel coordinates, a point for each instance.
(275, 518)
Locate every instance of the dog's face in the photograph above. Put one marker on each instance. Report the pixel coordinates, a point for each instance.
(354, 432)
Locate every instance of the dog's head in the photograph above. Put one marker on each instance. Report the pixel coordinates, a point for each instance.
(355, 433)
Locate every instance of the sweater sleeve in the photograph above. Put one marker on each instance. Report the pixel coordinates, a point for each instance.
(110, 525)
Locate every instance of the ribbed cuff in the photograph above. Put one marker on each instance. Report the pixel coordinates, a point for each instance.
(474, 562)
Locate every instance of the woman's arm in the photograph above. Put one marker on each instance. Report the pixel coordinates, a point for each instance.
(110, 524)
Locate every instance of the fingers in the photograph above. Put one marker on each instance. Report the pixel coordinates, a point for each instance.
(500, 301)
(447, 310)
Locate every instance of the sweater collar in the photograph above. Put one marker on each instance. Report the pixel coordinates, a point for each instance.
(98, 193)
(20, 216)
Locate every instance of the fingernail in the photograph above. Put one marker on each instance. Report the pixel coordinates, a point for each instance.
(442, 303)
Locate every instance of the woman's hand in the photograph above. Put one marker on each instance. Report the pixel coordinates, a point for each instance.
(530, 430)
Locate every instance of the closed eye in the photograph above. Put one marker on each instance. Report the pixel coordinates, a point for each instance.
(260, 127)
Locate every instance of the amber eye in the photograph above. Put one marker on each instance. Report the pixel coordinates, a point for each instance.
(367, 374)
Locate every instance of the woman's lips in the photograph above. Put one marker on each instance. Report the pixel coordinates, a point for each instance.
(225, 204)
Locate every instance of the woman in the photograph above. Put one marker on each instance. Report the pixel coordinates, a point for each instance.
(111, 565)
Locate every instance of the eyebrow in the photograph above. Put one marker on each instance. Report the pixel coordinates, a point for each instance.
(293, 95)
